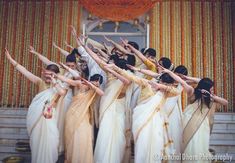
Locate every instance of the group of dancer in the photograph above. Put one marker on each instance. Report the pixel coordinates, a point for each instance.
(107, 99)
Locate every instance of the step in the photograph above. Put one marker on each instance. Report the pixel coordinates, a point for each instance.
(11, 142)
(227, 156)
(229, 125)
(222, 142)
(223, 146)
(13, 130)
(27, 157)
(221, 131)
(222, 136)
(224, 122)
(14, 136)
(16, 112)
(13, 125)
(8, 120)
(223, 149)
(12, 116)
(223, 116)
(10, 149)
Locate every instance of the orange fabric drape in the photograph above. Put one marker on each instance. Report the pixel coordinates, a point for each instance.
(118, 10)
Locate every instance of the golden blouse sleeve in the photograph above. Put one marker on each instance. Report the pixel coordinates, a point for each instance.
(150, 65)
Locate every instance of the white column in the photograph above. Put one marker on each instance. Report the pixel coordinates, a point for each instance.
(83, 29)
(147, 41)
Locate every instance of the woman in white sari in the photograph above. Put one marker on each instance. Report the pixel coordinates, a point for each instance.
(196, 121)
(111, 141)
(147, 127)
(173, 110)
(41, 118)
(110, 144)
(65, 100)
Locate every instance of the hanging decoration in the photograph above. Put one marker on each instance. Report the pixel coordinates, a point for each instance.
(118, 10)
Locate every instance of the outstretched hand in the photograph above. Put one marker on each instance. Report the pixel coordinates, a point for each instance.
(164, 70)
(7, 54)
(107, 39)
(124, 41)
(105, 46)
(83, 37)
(54, 44)
(10, 58)
(86, 82)
(126, 45)
(81, 40)
(31, 49)
(205, 93)
(74, 32)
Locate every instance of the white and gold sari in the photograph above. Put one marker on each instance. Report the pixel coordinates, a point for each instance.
(110, 144)
(196, 133)
(150, 129)
(43, 133)
(173, 115)
(78, 128)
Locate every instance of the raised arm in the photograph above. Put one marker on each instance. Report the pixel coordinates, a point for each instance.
(75, 83)
(70, 46)
(107, 48)
(95, 57)
(189, 89)
(62, 51)
(144, 71)
(44, 59)
(130, 76)
(92, 86)
(73, 72)
(215, 98)
(33, 78)
(170, 90)
(190, 79)
(103, 54)
(87, 54)
(118, 46)
(220, 100)
(119, 76)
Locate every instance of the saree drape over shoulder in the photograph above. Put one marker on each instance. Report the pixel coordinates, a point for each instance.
(196, 133)
(78, 129)
(173, 114)
(44, 135)
(150, 135)
(110, 144)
